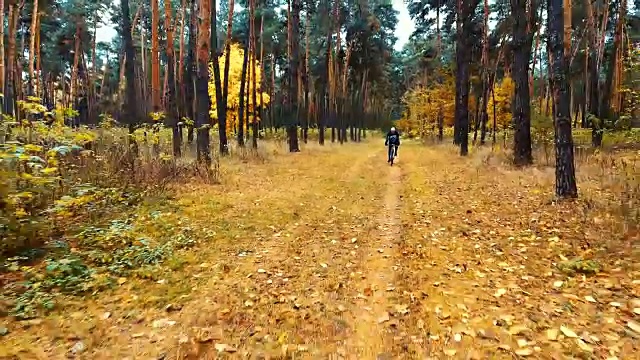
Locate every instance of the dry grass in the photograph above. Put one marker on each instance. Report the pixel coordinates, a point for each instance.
(288, 264)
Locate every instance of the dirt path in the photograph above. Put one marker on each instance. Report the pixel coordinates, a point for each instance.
(370, 339)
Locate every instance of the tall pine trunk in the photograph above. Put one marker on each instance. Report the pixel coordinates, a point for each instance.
(2, 67)
(155, 56)
(523, 21)
(191, 71)
(32, 47)
(203, 122)
(222, 120)
(130, 106)
(241, 108)
(254, 112)
(565, 168)
(294, 60)
(465, 24)
(215, 56)
(172, 114)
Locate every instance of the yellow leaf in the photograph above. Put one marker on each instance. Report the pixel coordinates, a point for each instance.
(49, 170)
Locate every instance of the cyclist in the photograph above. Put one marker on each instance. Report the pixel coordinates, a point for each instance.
(392, 141)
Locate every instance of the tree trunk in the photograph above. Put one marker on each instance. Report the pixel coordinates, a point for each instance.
(484, 114)
(32, 47)
(565, 168)
(2, 67)
(523, 20)
(294, 60)
(130, 108)
(190, 71)
(203, 122)
(171, 113)
(155, 56)
(220, 105)
(326, 117)
(612, 94)
(241, 109)
(10, 95)
(75, 72)
(461, 135)
(263, 73)
(252, 33)
(222, 119)
(307, 76)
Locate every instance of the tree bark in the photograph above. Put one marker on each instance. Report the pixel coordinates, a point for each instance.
(523, 21)
(32, 47)
(220, 105)
(203, 122)
(155, 56)
(294, 60)
(241, 108)
(130, 107)
(2, 67)
(565, 169)
(252, 33)
(465, 24)
(171, 113)
(222, 119)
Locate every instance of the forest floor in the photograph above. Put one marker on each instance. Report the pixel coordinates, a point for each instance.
(331, 253)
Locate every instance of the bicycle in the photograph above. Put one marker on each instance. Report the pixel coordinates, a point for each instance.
(393, 151)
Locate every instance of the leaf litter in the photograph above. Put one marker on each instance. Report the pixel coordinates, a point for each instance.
(486, 266)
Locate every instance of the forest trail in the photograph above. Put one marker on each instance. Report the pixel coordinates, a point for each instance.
(330, 253)
(370, 339)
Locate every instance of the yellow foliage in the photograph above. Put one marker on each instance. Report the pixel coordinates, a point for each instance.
(235, 77)
(503, 93)
(423, 105)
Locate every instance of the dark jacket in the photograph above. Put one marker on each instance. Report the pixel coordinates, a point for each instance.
(393, 138)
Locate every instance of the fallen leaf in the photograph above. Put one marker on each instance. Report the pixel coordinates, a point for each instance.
(584, 346)
(633, 326)
(500, 292)
(590, 299)
(225, 348)
(522, 342)
(450, 352)
(517, 329)
(557, 284)
(122, 280)
(457, 337)
(383, 318)
(161, 323)
(524, 352)
(568, 332)
(401, 309)
(552, 334)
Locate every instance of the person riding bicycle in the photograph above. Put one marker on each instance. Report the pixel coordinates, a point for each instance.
(393, 139)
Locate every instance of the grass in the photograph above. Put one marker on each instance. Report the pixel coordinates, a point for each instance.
(285, 262)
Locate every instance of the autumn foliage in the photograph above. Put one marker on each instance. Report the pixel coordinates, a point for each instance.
(424, 102)
(233, 101)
